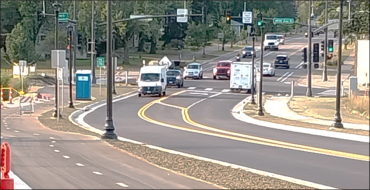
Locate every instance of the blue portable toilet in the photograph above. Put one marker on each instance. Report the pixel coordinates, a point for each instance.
(83, 85)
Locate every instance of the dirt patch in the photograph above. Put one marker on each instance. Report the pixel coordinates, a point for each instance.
(224, 176)
(251, 111)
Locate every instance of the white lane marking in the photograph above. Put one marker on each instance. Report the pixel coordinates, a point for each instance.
(264, 56)
(16, 131)
(225, 90)
(7, 128)
(79, 164)
(5, 123)
(208, 89)
(52, 141)
(66, 156)
(192, 88)
(51, 146)
(287, 82)
(97, 173)
(282, 76)
(204, 99)
(56, 151)
(300, 67)
(299, 64)
(18, 183)
(198, 93)
(122, 184)
(51, 137)
(35, 134)
(287, 77)
(168, 105)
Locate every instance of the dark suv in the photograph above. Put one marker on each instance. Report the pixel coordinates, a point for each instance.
(282, 61)
(247, 51)
(175, 78)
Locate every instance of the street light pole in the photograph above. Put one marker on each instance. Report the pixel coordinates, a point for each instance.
(114, 63)
(337, 117)
(92, 45)
(309, 79)
(75, 36)
(109, 127)
(55, 113)
(260, 110)
(70, 68)
(253, 102)
(325, 70)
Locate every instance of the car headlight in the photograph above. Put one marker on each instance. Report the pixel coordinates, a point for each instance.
(178, 77)
(276, 43)
(244, 52)
(214, 70)
(228, 71)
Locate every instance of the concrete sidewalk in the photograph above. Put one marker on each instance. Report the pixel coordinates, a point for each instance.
(277, 106)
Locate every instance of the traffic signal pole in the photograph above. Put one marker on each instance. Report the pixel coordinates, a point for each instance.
(325, 69)
(93, 81)
(309, 66)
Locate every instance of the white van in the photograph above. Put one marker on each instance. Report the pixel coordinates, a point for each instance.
(271, 42)
(241, 76)
(152, 80)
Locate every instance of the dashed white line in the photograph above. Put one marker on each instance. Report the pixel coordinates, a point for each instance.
(205, 94)
(35, 134)
(97, 173)
(299, 64)
(225, 90)
(66, 157)
(79, 164)
(122, 184)
(56, 151)
(7, 128)
(191, 88)
(287, 77)
(52, 141)
(208, 89)
(16, 131)
(51, 146)
(282, 76)
(51, 137)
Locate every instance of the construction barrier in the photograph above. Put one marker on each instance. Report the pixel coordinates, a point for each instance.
(6, 181)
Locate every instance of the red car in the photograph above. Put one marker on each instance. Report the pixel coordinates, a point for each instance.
(222, 69)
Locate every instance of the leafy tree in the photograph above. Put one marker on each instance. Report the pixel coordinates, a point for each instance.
(226, 30)
(195, 36)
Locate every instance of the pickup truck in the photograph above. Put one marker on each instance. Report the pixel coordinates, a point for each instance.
(222, 69)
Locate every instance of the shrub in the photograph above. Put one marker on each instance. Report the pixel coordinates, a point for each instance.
(358, 104)
(5, 79)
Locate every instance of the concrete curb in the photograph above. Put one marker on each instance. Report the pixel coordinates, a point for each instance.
(243, 117)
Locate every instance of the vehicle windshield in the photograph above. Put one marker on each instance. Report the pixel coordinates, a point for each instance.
(248, 48)
(173, 73)
(281, 58)
(266, 65)
(223, 64)
(271, 37)
(193, 66)
(280, 37)
(150, 77)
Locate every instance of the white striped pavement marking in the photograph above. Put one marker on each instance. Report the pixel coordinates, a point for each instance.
(226, 90)
(287, 77)
(122, 184)
(79, 164)
(192, 88)
(97, 173)
(282, 76)
(208, 89)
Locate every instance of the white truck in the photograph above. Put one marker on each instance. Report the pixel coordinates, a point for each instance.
(241, 76)
(152, 80)
(271, 42)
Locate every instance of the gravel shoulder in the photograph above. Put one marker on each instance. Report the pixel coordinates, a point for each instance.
(220, 175)
(251, 111)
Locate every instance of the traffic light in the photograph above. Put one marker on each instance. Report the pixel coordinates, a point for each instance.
(79, 41)
(259, 19)
(330, 45)
(228, 16)
(322, 48)
(69, 37)
(316, 52)
(38, 15)
(304, 55)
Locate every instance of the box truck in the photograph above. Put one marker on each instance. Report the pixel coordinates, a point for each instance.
(152, 80)
(241, 76)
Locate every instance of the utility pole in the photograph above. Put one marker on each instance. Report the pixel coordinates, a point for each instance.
(114, 64)
(109, 127)
(253, 102)
(337, 117)
(325, 70)
(92, 45)
(70, 66)
(309, 79)
(260, 110)
(204, 48)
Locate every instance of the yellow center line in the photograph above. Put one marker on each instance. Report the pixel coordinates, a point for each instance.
(242, 137)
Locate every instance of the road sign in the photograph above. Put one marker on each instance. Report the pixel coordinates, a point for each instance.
(283, 20)
(247, 17)
(63, 17)
(54, 58)
(33, 68)
(165, 61)
(100, 61)
(183, 19)
(23, 63)
(138, 16)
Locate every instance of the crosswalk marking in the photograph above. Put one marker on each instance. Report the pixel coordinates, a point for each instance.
(191, 88)
(208, 89)
(225, 90)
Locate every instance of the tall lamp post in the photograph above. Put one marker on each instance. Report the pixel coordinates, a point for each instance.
(109, 127)
(56, 6)
(260, 109)
(337, 118)
(70, 66)
(253, 85)
(325, 70)
(309, 66)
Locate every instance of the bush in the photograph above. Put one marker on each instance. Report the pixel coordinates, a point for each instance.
(5, 79)
(357, 104)
(17, 85)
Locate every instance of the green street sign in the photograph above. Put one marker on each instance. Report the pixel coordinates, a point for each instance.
(63, 17)
(283, 20)
(101, 61)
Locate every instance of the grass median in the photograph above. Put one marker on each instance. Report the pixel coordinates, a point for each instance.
(251, 111)
(224, 176)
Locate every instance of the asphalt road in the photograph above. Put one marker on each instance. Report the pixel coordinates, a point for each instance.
(48, 159)
(322, 160)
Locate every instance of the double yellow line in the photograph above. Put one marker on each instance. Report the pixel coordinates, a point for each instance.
(240, 137)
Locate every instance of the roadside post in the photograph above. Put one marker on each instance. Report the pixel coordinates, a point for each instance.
(100, 63)
(352, 86)
(57, 94)
(126, 74)
(292, 89)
